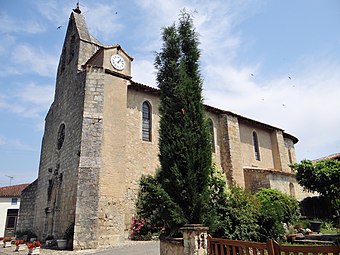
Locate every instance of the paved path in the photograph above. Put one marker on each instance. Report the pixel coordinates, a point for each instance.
(128, 248)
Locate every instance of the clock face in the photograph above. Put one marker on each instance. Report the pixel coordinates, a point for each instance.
(117, 62)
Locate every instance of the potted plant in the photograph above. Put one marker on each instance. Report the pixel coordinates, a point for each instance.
(49, 240)
(34, 247)
(291, 236)
(67, 237)
(315, 226)
(7, 242)
(19, 245)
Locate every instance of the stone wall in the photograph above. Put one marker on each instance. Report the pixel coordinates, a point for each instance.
(86, 213)
(256, 178)
(58, 170)
(247, 147)
(172, 246)
(216, 154)
(113, 168)
(141, 156)
(26, 211)
(58, 174)
(287, 183)
(231, 154)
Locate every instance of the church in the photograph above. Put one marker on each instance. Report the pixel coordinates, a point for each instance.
(101, 136)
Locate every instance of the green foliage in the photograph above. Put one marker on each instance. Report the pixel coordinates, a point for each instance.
(322, 176)
(243, 213)
(140, 230)
(28, 234)
(184, 143)
(218, 201)
(233, 213)
(276, 208)
(157, 208)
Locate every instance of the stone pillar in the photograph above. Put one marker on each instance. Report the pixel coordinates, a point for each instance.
(195, 239)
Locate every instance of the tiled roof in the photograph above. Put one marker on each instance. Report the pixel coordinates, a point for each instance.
(12, 191)
(139, 86)
(335, 156)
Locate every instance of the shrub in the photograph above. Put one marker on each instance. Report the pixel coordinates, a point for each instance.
(240, 217)
(276, 208)
(156, 207)
(233, 213)
(25, 234)
(141, 230)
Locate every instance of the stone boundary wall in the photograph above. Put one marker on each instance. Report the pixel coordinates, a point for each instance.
(194, 241)
(27, 202)
(172, 246)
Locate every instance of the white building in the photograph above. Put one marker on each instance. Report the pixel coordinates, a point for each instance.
(9, 208)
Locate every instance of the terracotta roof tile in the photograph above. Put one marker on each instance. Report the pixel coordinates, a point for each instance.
(335, 156)
(12, 191)
(139, 86)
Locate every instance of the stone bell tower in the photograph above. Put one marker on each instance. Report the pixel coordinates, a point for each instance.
(80, 182)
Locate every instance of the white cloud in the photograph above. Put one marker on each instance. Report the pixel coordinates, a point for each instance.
(29, 101)
(13, 25)
(31, 59)
(305, 105)
(54, 11)
(105, 27)
(5, 42)
(2, 141)
(7, 71)
(37, 95)
(15, 144)
(141, 72)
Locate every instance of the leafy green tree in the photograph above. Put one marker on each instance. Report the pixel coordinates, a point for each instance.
(275, 208)
(235, 212)
(156, 207)
(185, 149)
(321, 176)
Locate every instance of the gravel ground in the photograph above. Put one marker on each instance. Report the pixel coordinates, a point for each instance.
(127, 248)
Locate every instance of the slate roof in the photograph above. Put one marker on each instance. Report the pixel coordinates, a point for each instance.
(12, 191)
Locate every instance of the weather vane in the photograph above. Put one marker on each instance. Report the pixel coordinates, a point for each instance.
(77, 9)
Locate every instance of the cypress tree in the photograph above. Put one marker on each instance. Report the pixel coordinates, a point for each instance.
(184, 143)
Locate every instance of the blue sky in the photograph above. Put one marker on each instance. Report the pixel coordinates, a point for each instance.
(274, 61)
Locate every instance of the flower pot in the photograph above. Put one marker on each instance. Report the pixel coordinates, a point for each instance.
(34, 251)
(315, 226)
(7, 244)
(49, 243)
(20, 247)
(291, 237)
(62, 244)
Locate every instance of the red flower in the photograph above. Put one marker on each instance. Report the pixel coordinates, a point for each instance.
(35, 244)
(17, 242)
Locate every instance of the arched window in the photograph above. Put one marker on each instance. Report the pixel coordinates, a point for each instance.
(146, 121)
(290, 159)
(212, 137)
(256, 146)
